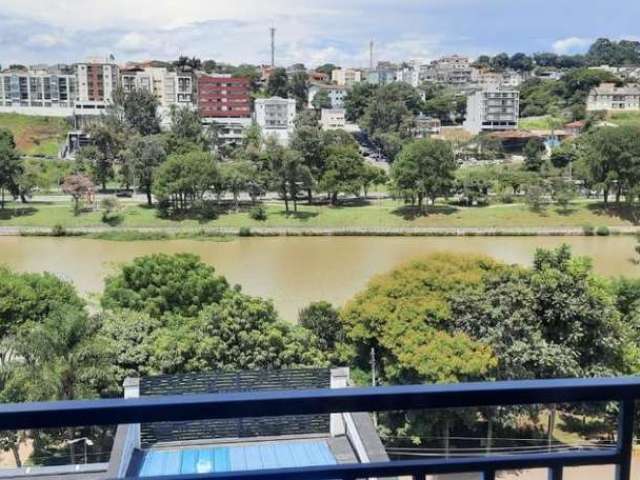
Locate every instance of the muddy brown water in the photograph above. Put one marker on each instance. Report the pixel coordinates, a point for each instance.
(295, 271)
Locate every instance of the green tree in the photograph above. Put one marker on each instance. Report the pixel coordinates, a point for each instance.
(158, 302)
(146, 154)
(424, 169)
(357, 100)
(33, 297)
(321, 100)
(309, 142)
(343, 173)
(186, 128)
(323, 320)
(555, 320)
(140, 109)
(238, 176)
(372, 175)
(11, 167)
(299, 89)
(278, 83)
(184, 179)
(289, 174)
(159, 284)
(609, 156)
(533, 155)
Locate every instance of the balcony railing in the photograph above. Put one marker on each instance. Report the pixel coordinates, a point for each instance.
(251, 404)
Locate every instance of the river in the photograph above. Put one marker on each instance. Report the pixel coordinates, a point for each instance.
(294, 271)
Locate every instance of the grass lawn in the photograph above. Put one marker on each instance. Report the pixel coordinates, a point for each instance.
(535, 123)
(625, 118)
(36, 135)
(376, 213)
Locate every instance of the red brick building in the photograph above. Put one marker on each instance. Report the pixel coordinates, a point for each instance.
(223, 97)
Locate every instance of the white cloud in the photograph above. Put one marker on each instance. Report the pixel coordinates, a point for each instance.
(133, 42)
(571, 45)
(47, 40)
(84, 14)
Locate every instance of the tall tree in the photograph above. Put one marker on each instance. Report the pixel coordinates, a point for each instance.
(343, 173)
(278, 83)
(289, 174)
(183, 179)
(146, 154)
(424, 169)
(11, 167)
(140, 107)
(299, 89)
(308, 141)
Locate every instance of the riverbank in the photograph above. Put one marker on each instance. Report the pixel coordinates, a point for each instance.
(225, 233)
(382, 217)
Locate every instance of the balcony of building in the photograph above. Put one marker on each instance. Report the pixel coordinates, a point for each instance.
(311, 424)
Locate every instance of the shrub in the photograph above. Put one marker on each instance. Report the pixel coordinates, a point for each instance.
(205, 210)
(506, 198)
(258, 213)
(58, 230)
(603, 231)
(245, 232)
(588, 230)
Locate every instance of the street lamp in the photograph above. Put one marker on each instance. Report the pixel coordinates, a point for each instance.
(87, 443)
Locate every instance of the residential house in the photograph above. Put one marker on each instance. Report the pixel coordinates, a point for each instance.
(346, 77)
(609, 97)
(333, 119)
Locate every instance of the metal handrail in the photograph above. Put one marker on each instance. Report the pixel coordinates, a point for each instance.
(273, 403)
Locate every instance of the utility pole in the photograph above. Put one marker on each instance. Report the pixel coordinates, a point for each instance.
(374, 381)
(273, 46)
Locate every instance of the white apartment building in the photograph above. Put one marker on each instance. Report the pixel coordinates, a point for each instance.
(336, 93)
(170, 88)
(42, 91)
(346, 77)
(333, 119)
(275, 116)
(96, 81)
(611, 98)
(493, 108)
(409, 74)
(454, 70)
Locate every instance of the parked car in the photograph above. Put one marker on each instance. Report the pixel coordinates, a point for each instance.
(124, 193)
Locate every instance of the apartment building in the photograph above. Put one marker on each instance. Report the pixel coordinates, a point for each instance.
(225, 101)
(96, 81)
(454, 70)
(384, 73)
(223, 96)
(333, 119)
(275, 116)
(492, 108)
(41, 90)
(337, 94)
(409, 74)
(346, 77)
(609, 97)
(170, 88)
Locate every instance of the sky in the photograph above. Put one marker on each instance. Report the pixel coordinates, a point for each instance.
(309, 32)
